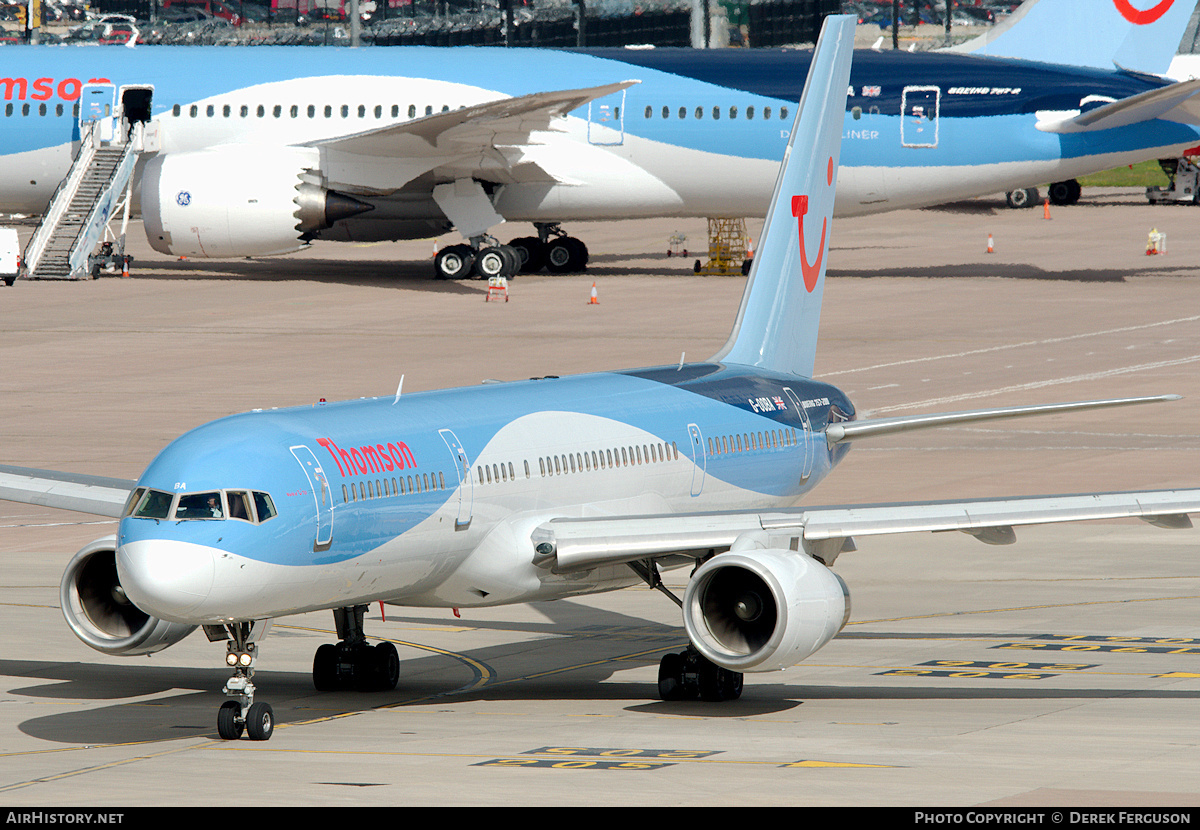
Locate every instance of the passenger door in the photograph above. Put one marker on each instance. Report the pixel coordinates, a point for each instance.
(322, 495)
(463, 465)
(919, 107)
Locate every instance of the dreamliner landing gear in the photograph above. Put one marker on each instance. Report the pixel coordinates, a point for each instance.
(244, 714)
(551, 249)
(482, 259)
(352, 663)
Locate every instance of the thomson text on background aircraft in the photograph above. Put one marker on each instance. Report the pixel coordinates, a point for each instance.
(258, 151)
(541, 489)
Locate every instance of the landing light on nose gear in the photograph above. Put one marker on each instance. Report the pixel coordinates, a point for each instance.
(244, 714)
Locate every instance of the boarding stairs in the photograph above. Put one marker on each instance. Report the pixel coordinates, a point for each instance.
(95, 189)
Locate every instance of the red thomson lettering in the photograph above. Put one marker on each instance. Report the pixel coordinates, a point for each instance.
(376, 459)
(403, 455)
(43, 89)
(384, 457)
(335, 451)
(69, 89)
(20, 85)
(372, 456)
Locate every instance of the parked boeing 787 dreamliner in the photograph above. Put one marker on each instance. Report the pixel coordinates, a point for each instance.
(257, 151)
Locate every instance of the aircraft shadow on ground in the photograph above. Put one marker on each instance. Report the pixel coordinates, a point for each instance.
(584, 650)
(411, 276)
(1017, 271)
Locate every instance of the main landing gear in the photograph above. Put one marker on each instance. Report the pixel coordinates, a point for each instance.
(484, 257)
(352, 663)
(689, 675)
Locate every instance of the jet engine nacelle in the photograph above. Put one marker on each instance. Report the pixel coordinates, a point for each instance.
(761, 610)
(237, 201)
(100, 614)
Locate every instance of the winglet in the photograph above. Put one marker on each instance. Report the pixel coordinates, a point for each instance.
(776, 326)
(1100, 34)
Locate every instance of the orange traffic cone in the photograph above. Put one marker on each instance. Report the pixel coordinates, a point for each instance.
(594, 299)
(1046, 209)
(991, 249)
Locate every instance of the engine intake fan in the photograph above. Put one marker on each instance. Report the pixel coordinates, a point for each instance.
(763, 610)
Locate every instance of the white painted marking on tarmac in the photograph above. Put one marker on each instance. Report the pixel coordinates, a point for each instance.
(1037, 384)
(1021, 345)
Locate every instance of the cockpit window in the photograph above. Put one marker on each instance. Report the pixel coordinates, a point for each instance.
(154, 504)
(239, 505)
(248, 505)
(264, 505)
(200, 506)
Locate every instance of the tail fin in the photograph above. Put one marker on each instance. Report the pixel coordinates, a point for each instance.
(776, 326)
(1139, 35)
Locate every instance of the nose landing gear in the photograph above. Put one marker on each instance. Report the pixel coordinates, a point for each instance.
(234, 717)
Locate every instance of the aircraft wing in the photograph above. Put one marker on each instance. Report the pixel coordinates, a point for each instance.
(485, 139)
(566, 545)
(1176, 102)
(66, 491)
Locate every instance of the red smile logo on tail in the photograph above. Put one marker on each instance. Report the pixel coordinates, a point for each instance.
(800, 207)
(1142, 18)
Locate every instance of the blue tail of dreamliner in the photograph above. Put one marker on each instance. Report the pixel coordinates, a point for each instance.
(776, 326)
(1139, 35)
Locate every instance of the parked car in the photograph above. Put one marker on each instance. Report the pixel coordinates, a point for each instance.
(211, 8)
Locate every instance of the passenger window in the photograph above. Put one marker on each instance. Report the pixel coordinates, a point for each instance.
(766, 112)
(412, 110)
(716, 113)
(783, 113)
(750, 113)
(666, 112)
(733, 112)
(649, 111)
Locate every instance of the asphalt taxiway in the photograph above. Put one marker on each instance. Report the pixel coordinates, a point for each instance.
(1063, 670)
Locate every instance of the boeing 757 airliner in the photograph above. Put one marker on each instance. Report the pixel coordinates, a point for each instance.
(540, 489)
(258, 151)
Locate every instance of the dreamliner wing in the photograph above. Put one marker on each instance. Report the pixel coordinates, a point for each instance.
(66, 491)
(485, 140)
(1176, 102)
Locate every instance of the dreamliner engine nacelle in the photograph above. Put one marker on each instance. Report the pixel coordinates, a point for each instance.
(761, 610)
(237, 201)
(100, 614)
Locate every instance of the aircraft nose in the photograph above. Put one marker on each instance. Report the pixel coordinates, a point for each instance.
(165, 578)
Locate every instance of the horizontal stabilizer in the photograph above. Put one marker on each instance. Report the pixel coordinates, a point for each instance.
(1176, 102)
(877, 427)
(65, 491)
